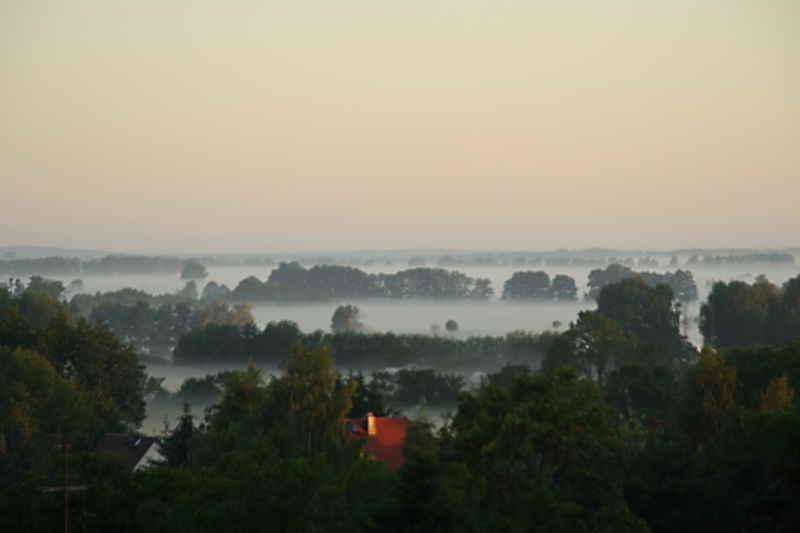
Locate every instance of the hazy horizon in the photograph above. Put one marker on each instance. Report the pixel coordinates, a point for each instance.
(177, 127)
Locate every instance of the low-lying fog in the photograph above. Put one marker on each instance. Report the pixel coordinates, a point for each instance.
(493, 317)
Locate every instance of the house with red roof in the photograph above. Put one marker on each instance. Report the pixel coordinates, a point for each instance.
(384, 437)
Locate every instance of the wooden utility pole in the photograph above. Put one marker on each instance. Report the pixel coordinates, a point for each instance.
(66, 488)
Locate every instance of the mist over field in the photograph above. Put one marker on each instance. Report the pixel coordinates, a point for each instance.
(493, 317)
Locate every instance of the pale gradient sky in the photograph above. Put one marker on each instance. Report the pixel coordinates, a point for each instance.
(162, 126)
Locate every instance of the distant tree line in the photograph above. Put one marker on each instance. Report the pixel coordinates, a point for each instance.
(228, 343)
(156, 322)
(110, 264)
(381, 392)
(348, 282)
(776, 258)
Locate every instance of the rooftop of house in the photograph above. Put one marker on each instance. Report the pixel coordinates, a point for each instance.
(131, 448)
(384, 436)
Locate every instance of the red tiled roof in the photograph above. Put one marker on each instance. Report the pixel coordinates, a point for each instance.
(387, 443)
(130, 448)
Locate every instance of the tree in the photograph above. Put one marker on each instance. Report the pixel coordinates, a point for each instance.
(368, 398)
(189, 291)
(451, 326)
(311, 392)
(174, 445)
(103, 369)
(736, 314)
(39, 285)
(777, 397)
(35, 402)
(528, 285)
(212, 342)
(599, 278)
(593, 345)
(427, 386)
(564, 288)
(215, 291)
(648, 311)
(710, 392)
(193, 270)
(218, 312)
(542, 455)
(244, 394)
(642, 392)
(346, 318)
(758, 366)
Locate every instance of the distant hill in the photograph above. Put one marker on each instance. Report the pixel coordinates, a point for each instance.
(37, 252)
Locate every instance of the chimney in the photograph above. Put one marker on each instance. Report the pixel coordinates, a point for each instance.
(371, 428)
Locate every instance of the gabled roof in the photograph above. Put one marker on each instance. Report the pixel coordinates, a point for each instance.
(132, 449)
(386, 441)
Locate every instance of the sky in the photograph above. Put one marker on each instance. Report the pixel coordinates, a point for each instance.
(175, 126)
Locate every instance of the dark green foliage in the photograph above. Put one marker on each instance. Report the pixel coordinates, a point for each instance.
(209, 386)
(427, 387)
(275, 341)
(536, 285)
(434, 283)
(564, 288)
(505, 375)
(39, 285)
(647, 311)
(593, 345)
(744, 483)
(216, 343)
(35, 403)
(369, 397)
(528, 285)
(39, 308)
(642, 391)
(251, 289)
(681, 281)
(758, 365)
(737, 314)
(174, 445)
(348, 282)
(212, 342)
(543, 456)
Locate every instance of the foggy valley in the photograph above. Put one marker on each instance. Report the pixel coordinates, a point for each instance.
(397, 267)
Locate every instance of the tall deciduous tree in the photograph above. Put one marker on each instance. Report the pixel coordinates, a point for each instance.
(709, 397)
(311, 391)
